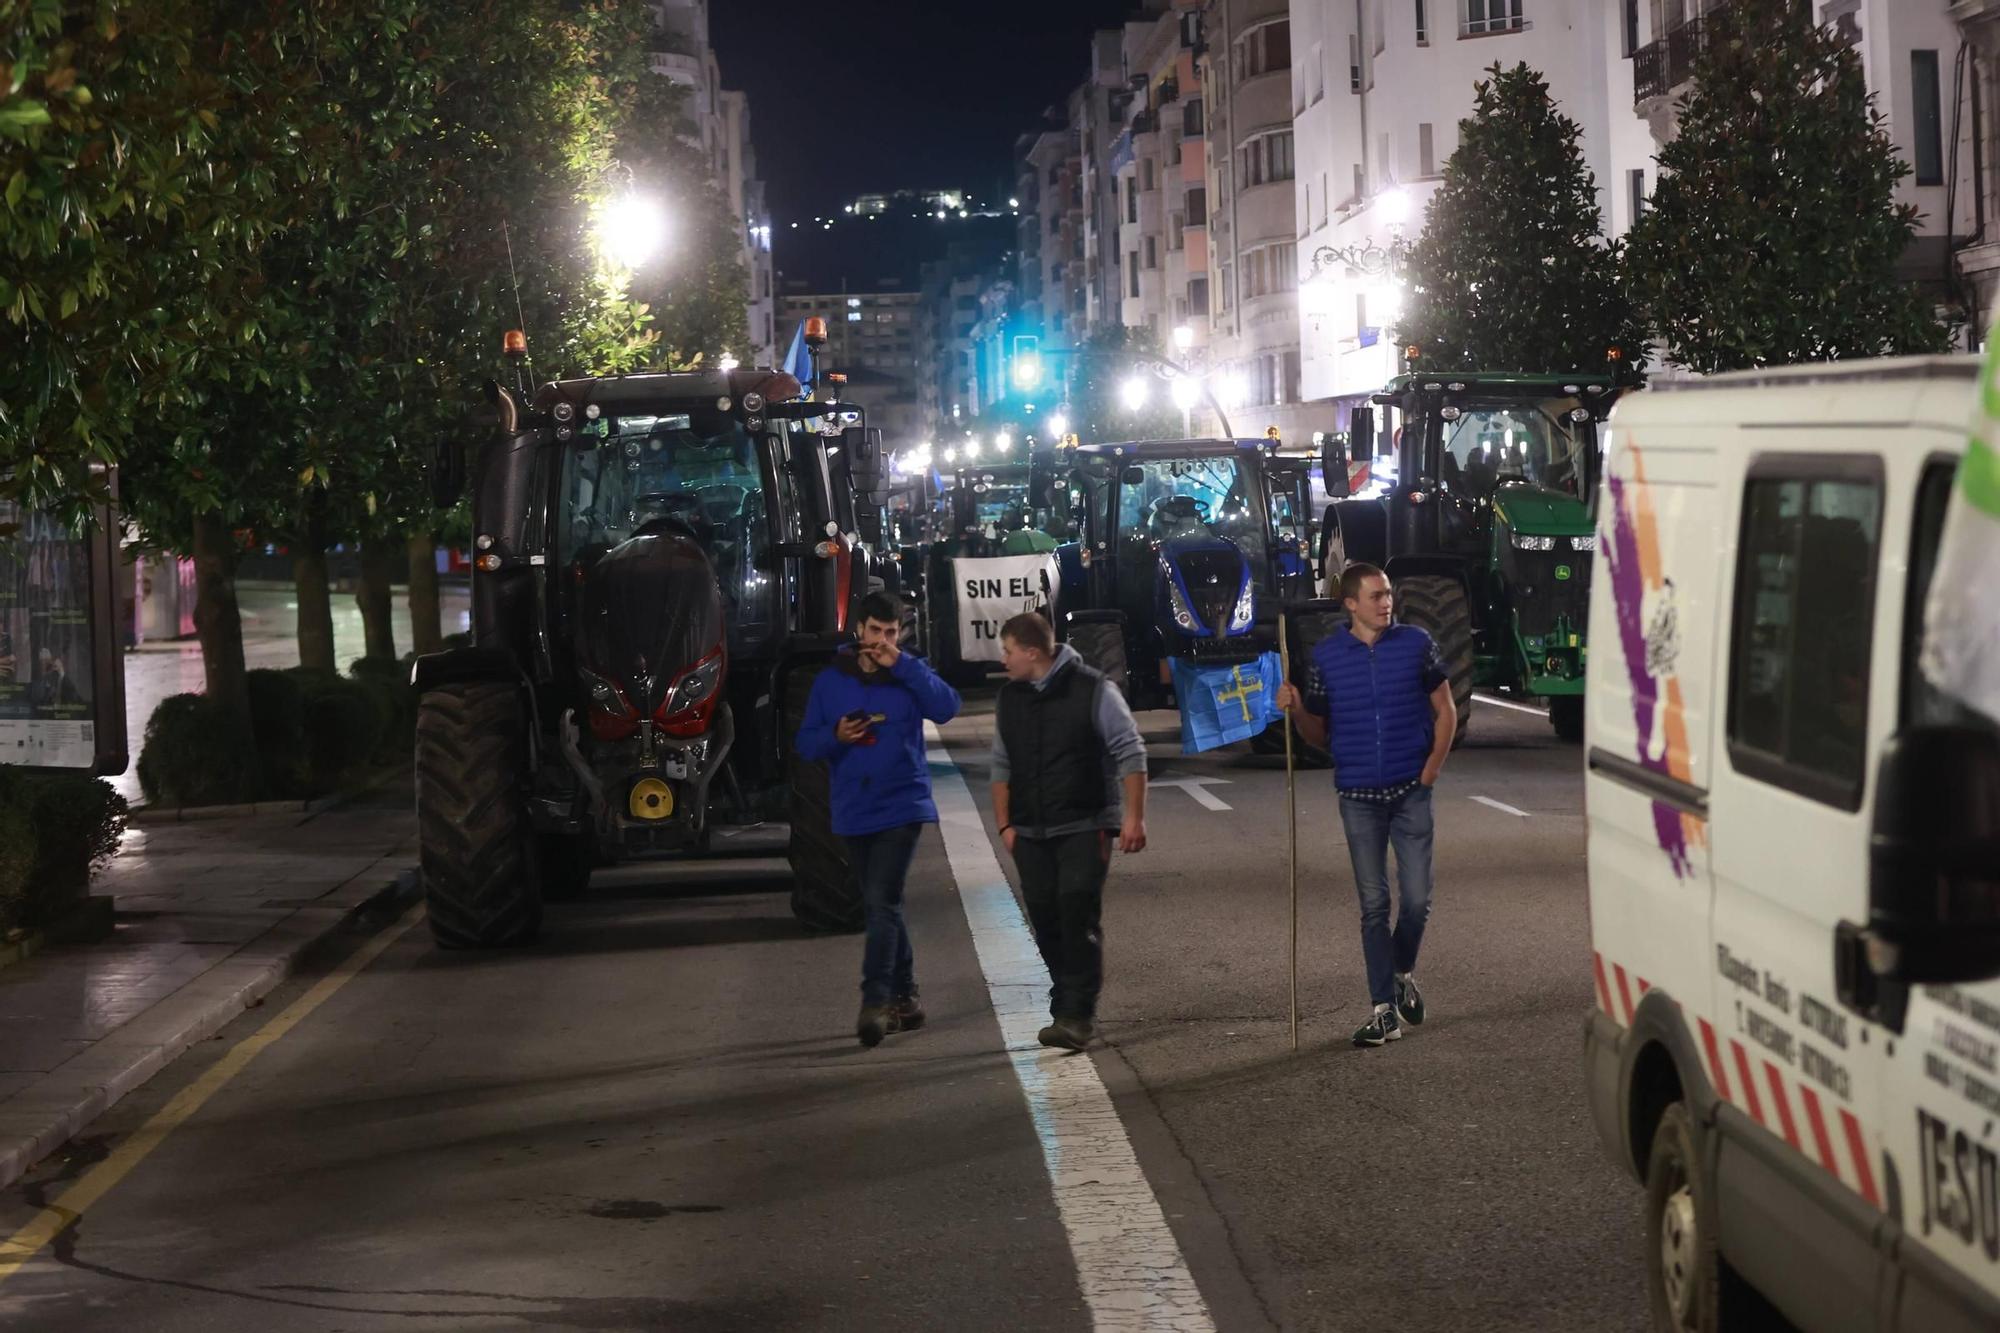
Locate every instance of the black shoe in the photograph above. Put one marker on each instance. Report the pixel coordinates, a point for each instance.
(1409, 1000)
(876, 1022)
(1068, 1034)
(909, 1012)
(1382, 1026)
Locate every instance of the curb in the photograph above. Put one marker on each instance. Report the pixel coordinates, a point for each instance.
(42, 1117)
(318, 805)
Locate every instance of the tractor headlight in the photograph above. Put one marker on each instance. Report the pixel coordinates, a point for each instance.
(604, 694)
(1527, 543)
(694, 687)
(1246, 608)
(1183, 613)
(1583, 543)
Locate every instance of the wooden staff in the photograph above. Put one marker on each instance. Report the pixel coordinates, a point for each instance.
(1292, 825)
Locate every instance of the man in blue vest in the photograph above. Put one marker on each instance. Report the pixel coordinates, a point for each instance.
(1069, 782)
(865, 721)
(1378, 696)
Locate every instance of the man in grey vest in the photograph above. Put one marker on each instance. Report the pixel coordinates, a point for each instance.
(1069, 778)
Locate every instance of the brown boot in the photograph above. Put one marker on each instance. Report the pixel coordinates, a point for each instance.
(909, 1012)
(1068, 1034)
(876, 1022)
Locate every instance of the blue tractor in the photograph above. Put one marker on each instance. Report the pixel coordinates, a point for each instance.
(1188, 549)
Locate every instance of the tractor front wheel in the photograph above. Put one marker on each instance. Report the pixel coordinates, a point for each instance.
(481, 871)
(1436, 603)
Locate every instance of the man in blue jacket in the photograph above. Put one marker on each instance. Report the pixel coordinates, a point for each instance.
(865, 720)
(1381, 691)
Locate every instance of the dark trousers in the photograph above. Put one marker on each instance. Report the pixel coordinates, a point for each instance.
(1062, 883)
(881, 862)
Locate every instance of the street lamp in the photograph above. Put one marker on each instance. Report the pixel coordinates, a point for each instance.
(1058, 427)
(1133, 393)
(1185, 393)
(1003, 441)
(633, 229)
(1183, 338)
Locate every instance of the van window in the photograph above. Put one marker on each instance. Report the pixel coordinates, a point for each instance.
(1924, 705)
(1805, 602)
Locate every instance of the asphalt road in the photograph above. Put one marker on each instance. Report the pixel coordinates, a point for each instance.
(658, 1118)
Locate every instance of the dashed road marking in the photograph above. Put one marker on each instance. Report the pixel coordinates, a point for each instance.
(1197, 788)
(1509, 703)
(1128, 1264)
(1502, 806)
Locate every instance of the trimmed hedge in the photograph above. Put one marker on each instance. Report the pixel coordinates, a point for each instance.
(312, 732)
(55, 832)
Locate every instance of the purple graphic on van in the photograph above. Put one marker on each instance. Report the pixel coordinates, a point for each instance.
(1632, 555)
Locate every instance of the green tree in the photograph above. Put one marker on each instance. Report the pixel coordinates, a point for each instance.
(1512, 271)
(1106, 360)
(1774, 234)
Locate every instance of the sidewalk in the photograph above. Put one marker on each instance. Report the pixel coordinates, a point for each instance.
(212, 915)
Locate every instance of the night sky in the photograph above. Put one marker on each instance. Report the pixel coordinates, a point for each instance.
(870, 96)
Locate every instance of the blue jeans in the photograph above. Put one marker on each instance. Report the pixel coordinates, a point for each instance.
(881, 861)
(1371, 830)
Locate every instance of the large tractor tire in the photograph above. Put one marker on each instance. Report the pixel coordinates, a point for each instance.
(1308, 625)
(481, 872)
(1101, 644)
(1437, 603)
(1566, 716)
(826, 893)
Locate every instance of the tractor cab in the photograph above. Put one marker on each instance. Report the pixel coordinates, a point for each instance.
(1486, 530)
(1192, 545)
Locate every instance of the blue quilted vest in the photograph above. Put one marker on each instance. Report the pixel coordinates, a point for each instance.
(1379, 714)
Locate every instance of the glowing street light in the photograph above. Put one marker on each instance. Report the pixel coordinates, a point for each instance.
(1003, 441)
(1183, 337)
(633, 229)
(1394, 206)
(1184, 391)
(1133, 393)
(1059, 426)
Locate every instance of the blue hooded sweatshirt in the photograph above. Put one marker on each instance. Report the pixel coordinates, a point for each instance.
(887, 784)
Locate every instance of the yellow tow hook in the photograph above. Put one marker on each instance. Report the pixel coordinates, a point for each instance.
(651, 799)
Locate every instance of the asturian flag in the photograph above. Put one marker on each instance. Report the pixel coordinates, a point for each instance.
(1222, 704)
(1961, 654)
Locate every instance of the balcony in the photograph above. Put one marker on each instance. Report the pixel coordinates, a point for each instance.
(1662, 66)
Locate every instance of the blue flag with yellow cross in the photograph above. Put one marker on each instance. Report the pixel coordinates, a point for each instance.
(1225, 703)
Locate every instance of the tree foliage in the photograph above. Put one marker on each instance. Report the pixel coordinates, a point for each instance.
(1105, 361)
(1774, 233)
(1512, 271)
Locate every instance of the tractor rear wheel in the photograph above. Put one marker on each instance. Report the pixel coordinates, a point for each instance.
(480, 866)
(1436, 603)
(1566, 716)
(826, 893)
(1101, 644)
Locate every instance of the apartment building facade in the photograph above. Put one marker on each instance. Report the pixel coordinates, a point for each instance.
(721, 130)
(874, 338)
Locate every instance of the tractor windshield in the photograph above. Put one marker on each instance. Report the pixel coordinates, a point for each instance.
(695, 472)
(1164, 498)
(1529, 442)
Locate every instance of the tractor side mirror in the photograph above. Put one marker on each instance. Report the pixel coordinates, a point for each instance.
(1333, 467)
(1361, 432)
(1133, 476)
(864, 456)
(1934, 858)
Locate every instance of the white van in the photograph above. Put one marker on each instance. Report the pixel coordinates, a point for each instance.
(1794, 856)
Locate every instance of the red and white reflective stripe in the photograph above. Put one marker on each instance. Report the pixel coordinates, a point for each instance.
(1603, 986)
(1818, 1123)
(1857, 1147)
(1715, 1069)
(1624, 991)
(1749, 1084)
(1783, 1103)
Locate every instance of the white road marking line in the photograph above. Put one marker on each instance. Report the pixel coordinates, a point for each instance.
(1127, 1261)
(1509, 703)
(1502, 806)
(1197, 788)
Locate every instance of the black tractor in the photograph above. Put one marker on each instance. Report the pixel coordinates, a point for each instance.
(1486, 531)
(662, 565)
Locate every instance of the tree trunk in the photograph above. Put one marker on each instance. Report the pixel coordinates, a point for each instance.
(315, 593)
(426, 621)
(378, 570)
(218, 623)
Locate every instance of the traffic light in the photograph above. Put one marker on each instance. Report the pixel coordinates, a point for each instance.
(1027, 361)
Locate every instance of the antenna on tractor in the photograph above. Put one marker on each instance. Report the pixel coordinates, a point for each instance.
(516, 343)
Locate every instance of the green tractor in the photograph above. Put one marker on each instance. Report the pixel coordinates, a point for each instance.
(1486, 529)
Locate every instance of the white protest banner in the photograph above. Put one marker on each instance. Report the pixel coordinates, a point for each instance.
(992, 591)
